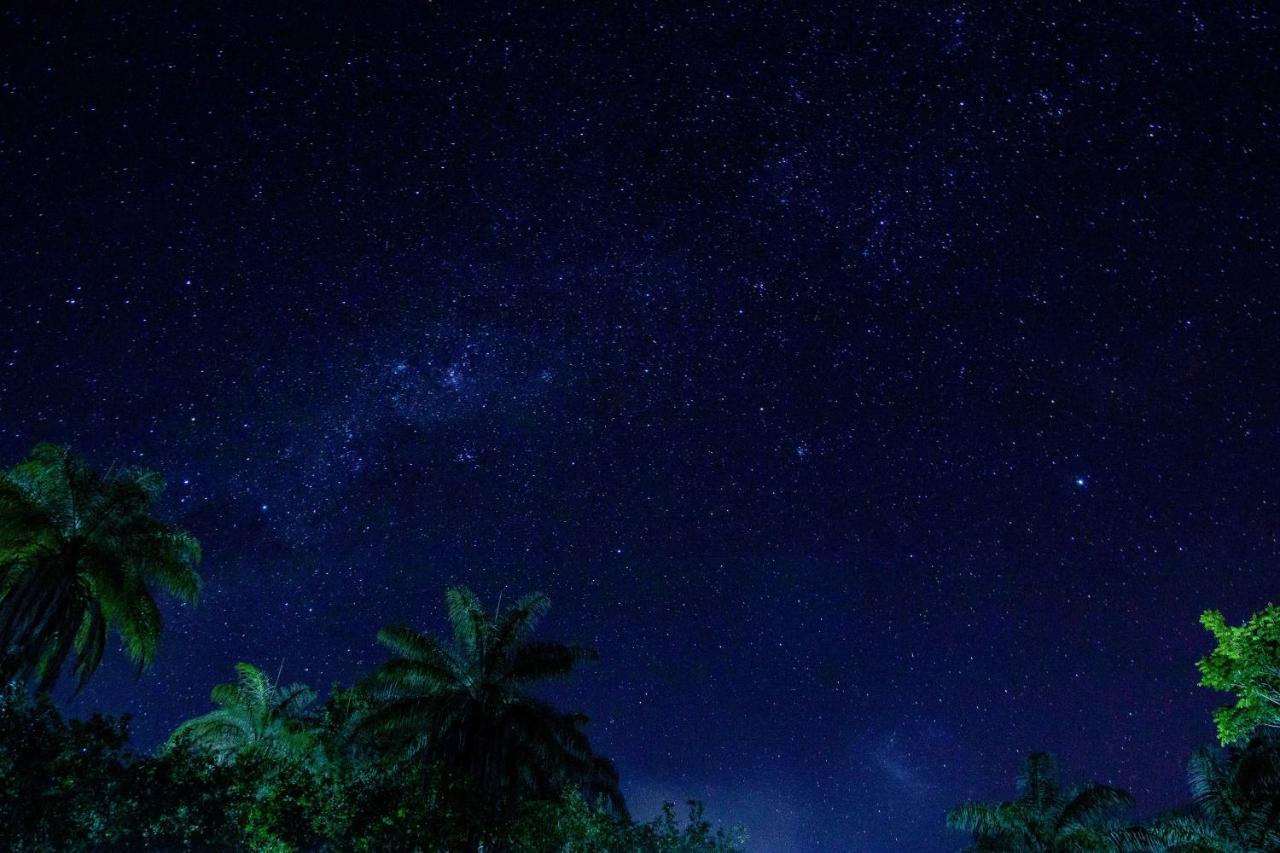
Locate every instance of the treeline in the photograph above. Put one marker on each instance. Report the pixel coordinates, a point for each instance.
(74, 785)
(1234, 791)
(444, 747)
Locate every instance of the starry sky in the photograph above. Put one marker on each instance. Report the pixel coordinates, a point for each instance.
(884, 389)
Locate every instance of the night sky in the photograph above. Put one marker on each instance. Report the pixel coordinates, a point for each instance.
(884, 391)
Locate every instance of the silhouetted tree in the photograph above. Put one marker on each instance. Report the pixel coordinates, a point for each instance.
(253, 713)
(467, 705)
(1237, 797)
(79, 555)
(1046, 818)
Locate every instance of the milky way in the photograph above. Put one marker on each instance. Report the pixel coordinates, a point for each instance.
(883, 389)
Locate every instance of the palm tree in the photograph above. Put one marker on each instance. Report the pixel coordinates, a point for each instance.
(79, 555)
(466, 704)
(1047, 819)
(338, 721)
(1237, 796)
(254, 714)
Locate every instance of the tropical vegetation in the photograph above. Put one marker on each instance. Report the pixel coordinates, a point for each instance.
(468, 704)
(1235, 790)
(1047, 816)
(81, 555)
(451, 743)
(1246, 662)
(253, 714)
(445, 747)
(1237, 800)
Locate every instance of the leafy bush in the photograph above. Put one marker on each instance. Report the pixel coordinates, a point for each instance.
(74, 785)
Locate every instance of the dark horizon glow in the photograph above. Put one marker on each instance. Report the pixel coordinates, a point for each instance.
(884, 390)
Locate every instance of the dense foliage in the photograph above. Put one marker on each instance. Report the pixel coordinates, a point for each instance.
(79, 555)
(1246, 663)
(253, 714)
(1236, 791)
(467, 704)
(1046, 816)
(74, 785)
(1237, 795)
(444, 747)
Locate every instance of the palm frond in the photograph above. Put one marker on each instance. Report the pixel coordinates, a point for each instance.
(254, 714)
(1091, 803)
(291, 702)
(466, 705)
(90, 644)
(404, 675)
(1043, 818)
(1038, 779)
(414, 646)
(254, 684)
(172, 564)
(1186, 833)
(988, 818)
(78, 551)
(512, 627)
(540, 661)
(467, 617)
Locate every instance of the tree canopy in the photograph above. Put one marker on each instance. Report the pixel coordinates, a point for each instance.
(253, 713)
(467, 703)
(81, 555)
(1048, 817)
(1245, 662)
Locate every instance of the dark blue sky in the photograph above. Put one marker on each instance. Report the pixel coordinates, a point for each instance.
(883, 389)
